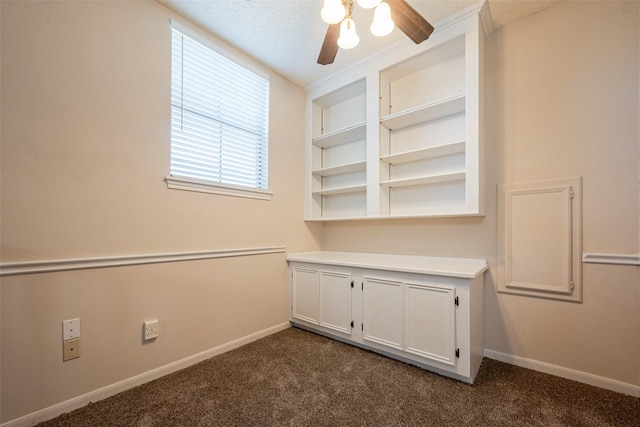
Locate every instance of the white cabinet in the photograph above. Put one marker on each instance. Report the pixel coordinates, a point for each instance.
(401, 135)
(321, 298)
(423, 310)
(382, 312)
(335, 301)
(305, 295)
(430, 321)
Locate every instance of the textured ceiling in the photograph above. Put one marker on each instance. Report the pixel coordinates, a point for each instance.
(286, 35)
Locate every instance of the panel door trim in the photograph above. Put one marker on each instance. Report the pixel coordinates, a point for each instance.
(295, 312)
(448, 356)
(368, 330)
(344, 328)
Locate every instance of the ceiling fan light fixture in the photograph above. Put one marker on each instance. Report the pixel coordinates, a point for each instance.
(344, 36)
(382, 22)
(368, 4)
(348, 36)
(333, 11)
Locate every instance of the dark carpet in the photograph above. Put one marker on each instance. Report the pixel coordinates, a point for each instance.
(297, 378)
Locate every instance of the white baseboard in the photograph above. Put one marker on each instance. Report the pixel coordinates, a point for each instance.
(559, 371)
(110, 390)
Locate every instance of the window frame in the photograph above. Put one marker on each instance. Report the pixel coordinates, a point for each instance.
(179, 182)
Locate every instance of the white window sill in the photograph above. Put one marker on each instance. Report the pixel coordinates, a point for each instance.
(190, 184)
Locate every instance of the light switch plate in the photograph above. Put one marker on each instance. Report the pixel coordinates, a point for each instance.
(70, 329)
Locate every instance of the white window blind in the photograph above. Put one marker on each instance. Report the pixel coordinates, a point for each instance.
(219, 118)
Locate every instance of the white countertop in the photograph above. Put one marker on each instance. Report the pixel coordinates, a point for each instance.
(466, 268)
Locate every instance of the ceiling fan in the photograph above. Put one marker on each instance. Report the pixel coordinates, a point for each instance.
(341, 32)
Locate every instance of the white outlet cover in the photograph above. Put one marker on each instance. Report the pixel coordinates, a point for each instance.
(70, 329)
(151, 330)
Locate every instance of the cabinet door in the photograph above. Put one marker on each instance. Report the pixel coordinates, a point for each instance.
(382, 312)
(430, 322)
(304, 294)
(335, 301)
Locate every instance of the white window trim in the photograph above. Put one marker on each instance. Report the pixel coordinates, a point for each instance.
(202, 186)
(190, 184)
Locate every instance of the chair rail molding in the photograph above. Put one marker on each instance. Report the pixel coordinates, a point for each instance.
(615, 259)
(47, 266)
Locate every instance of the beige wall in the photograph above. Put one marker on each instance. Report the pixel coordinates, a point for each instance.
(565, 104)
(561, 102)
(85, 149)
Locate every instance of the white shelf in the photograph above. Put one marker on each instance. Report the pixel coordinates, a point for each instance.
(424, 153)
(341, 136)
(424, 113)
(423, 180)
(342, 169)
(341, 190)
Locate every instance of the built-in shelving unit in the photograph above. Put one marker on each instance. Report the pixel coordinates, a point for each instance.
(401, 136)
(338, 153)
(423, 123)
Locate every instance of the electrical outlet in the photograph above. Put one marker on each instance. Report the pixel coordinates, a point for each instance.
(151, 330)
(71, 349)
(70, 329)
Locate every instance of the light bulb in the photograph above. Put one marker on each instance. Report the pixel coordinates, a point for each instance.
(382, 23)
(348, 36)
(333, 11)
(368, 4)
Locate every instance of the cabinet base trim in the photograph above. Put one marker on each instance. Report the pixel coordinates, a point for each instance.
(559, 371)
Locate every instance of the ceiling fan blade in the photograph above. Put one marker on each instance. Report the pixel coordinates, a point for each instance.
(330, 45)
(409, 21)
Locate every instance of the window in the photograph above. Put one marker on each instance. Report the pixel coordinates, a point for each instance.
(219, 122)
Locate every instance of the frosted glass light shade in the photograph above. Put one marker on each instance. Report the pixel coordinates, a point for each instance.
(333, 11)
(368, 4)
(382, 23)
(348, 36)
